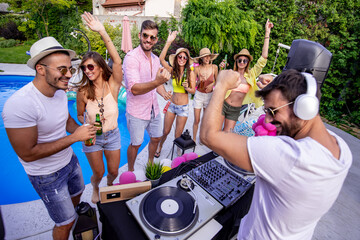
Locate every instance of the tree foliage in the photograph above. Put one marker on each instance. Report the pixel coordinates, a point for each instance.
(218, 25)
(333, 23)
(39, 8)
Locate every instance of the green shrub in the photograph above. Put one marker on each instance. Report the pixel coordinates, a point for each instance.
(8, 43)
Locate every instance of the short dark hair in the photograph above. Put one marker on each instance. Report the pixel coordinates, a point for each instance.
(148, 24)
(291, 83)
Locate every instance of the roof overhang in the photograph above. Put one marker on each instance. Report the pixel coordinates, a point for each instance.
(122, 3)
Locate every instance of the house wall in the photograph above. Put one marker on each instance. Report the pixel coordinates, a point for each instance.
(159, 8)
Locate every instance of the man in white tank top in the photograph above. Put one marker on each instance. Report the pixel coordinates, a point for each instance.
(36, 120)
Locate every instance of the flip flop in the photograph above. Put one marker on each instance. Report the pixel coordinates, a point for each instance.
(157, 154)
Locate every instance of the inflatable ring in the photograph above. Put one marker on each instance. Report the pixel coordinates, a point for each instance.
(122, 96)
(71, 95)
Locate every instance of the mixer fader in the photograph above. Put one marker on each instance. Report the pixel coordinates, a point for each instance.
(220, 182)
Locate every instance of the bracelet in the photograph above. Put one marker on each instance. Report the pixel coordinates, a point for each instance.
(266, 37)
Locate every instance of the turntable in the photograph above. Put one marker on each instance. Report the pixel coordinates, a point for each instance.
(174, 210)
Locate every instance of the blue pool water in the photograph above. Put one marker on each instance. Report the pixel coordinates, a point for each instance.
(15, 186)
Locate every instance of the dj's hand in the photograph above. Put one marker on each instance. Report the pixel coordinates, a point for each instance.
(228, 79)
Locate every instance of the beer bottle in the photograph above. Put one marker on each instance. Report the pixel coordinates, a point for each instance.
(98, 124)
(225, 61)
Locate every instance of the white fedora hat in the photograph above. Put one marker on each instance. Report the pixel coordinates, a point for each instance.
(44, 47)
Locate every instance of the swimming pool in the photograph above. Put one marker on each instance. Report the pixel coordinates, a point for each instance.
(15, 186)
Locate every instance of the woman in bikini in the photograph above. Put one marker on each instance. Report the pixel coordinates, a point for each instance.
(206, 74)
(183, 82)
(245, 92)
(98, 94)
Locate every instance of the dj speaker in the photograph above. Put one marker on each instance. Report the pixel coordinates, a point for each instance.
(306, 105)
(308, 56)
(86, 227)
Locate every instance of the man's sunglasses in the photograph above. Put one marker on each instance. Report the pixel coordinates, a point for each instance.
(245, 61)
(272, 112)
(182, 57)
(89, 66)
(146, 36)
(62, 70)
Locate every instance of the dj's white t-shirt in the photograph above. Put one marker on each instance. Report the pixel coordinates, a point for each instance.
(28, 107)
(297, 181)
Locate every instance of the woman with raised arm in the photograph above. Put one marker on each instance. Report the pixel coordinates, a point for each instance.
(98, 94)
(183, 83)
(245, 92)
(206, 74)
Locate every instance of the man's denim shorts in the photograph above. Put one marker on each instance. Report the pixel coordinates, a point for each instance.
(109, 141)
(137, 126)
(57, 189)
(180, 110)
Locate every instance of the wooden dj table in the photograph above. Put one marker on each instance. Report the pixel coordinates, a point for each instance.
(118, 222)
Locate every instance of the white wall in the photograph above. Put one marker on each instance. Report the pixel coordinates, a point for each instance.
(161, 8)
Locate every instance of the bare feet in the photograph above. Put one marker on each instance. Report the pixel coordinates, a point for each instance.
(95, 196)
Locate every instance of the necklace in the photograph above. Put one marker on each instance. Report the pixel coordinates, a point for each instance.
(101, 105)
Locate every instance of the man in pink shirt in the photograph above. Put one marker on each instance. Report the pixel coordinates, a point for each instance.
(143, 78)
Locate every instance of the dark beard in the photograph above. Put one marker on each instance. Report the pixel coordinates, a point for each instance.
(289, 129)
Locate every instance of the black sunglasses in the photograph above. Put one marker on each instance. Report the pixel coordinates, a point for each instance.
(245, 61)
(89, 66)
(272, 112)
(62, 70)
(182, 57)
(146, 36)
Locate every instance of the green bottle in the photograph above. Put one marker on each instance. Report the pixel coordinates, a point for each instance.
(225, 61)
(98, 124)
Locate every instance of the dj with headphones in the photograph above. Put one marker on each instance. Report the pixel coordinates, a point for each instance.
(299, 172)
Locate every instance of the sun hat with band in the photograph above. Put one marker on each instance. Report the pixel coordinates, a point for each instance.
(206, 52)
(180, 50)
(44, 47)
(243, 52)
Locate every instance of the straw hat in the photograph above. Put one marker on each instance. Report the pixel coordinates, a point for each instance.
(206, 52)
(180, 50)
(44, 47)
(243, 52)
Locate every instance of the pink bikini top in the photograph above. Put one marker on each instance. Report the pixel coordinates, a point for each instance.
(243, 88)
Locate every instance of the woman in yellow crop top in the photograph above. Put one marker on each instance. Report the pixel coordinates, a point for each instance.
(98, 93)
(245, 92)
(183, 82)
(206, 74)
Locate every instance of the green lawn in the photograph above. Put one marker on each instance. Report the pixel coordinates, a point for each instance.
(15, 54)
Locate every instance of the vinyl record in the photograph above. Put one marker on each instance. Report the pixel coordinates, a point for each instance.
(168, 210)
(237, 169)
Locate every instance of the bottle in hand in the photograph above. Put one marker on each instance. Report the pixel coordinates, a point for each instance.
(90, 141)
(98, 124)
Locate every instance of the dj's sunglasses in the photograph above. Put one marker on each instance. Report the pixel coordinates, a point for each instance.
(152, 37)
(272, 112)
(62, 70)
(89, 66)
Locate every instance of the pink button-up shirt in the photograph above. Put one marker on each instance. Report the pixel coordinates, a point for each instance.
(137, 69)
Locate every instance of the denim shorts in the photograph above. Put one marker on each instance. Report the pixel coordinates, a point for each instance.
(201, 100)
(57, 189)
(137, 126)
(109, 141)
(180, 110)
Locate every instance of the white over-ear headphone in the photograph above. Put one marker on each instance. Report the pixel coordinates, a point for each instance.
(306, 105)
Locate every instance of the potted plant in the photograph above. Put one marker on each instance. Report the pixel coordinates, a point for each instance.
(153, 172)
